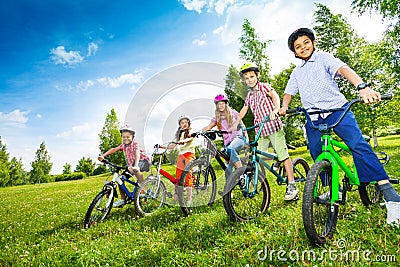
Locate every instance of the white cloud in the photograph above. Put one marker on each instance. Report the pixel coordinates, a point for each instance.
(75, 132)
(92, 49)
(219, 6)
(39, 116)
(199, 42)
(196, 5)
(84, 85)
(14, 117)
(129, 78)
(61, 56)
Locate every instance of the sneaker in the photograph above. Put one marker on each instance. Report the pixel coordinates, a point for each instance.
(291, 192)
(326, 197)
(393, 212)
(119, 203)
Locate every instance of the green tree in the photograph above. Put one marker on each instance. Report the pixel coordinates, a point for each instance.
(41, 165)
(390, 10)
(110, 137)
(254, 50)
(67, 168)
(4, 166)
(18, 175)
(335, 35)
(85, 165)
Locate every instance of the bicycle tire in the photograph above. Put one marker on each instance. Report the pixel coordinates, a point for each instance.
(240, 207)
(150, 196)
(100, 207)
(369, 193)
(319, 219)
(204, 187)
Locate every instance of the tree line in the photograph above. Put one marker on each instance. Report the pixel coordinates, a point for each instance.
(376, 62)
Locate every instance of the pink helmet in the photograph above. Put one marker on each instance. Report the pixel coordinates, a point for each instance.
(220, 98)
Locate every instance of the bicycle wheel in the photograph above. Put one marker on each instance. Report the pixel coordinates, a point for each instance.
(203, 192)
(319, 217)
(150, 196)
(100, 207)
(243, 207)
(369, 193)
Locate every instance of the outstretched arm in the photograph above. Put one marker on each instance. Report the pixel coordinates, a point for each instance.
(367, 94)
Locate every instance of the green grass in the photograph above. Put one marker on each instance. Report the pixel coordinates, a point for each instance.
(42, 225)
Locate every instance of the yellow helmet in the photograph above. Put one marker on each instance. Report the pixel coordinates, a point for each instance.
(248, 66)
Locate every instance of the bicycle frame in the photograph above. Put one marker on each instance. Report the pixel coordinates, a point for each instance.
(256, 158)
(328, 144)
(329, 154)
(120, 179)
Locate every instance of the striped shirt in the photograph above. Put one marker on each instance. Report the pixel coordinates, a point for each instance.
(261, 105)
(315, 81)
(130, 152)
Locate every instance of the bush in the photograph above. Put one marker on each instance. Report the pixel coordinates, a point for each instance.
(70, 177)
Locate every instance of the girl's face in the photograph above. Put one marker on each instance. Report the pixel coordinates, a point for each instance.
(250, 78)
(127, 138)
(221, 105)
(303, 47)
(184, 124)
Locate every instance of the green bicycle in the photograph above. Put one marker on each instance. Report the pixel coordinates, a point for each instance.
(320, 216)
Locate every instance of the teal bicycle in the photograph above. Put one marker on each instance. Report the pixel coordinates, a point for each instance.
(319, 213)
(247, 193)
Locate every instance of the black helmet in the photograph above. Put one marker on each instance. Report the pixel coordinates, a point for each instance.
(297, 33)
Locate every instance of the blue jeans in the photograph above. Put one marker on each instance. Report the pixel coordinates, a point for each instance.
(232, 150)
(367, 163)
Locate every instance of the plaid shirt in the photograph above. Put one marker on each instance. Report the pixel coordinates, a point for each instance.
(130, 152)
(261, 105)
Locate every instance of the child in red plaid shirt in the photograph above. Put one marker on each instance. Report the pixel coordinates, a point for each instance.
(263, 100)
(137, 160)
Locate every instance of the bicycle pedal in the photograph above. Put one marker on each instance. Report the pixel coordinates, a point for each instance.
(169, 194)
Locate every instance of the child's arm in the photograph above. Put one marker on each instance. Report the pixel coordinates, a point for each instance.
(209, 127)
(368, 95)
(241, 115)
(109, 152)
(136, 165)
(285, 104)
(276, 100)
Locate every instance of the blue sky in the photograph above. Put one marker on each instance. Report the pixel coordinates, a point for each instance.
(65, 64)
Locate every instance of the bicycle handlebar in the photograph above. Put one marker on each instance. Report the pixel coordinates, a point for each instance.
(105, 161)
(208, 133)
(346, 109)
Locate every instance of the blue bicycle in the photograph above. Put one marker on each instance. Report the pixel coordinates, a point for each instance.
(102, 204)
(247, 193)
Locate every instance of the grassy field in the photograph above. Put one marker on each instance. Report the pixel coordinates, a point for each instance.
(42, 225)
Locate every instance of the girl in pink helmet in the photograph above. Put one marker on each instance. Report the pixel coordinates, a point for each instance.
(224, 119)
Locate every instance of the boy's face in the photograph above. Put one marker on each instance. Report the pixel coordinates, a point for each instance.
(303, 47)
(184, 123)
(127, 138)
(250, 78)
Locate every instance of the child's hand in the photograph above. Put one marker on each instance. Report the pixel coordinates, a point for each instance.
(369, 96)
(133, 169)
(274, 115)
(282, 111)
(100, 158)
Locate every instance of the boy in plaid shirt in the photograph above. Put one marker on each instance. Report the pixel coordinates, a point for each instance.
(263, 100)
